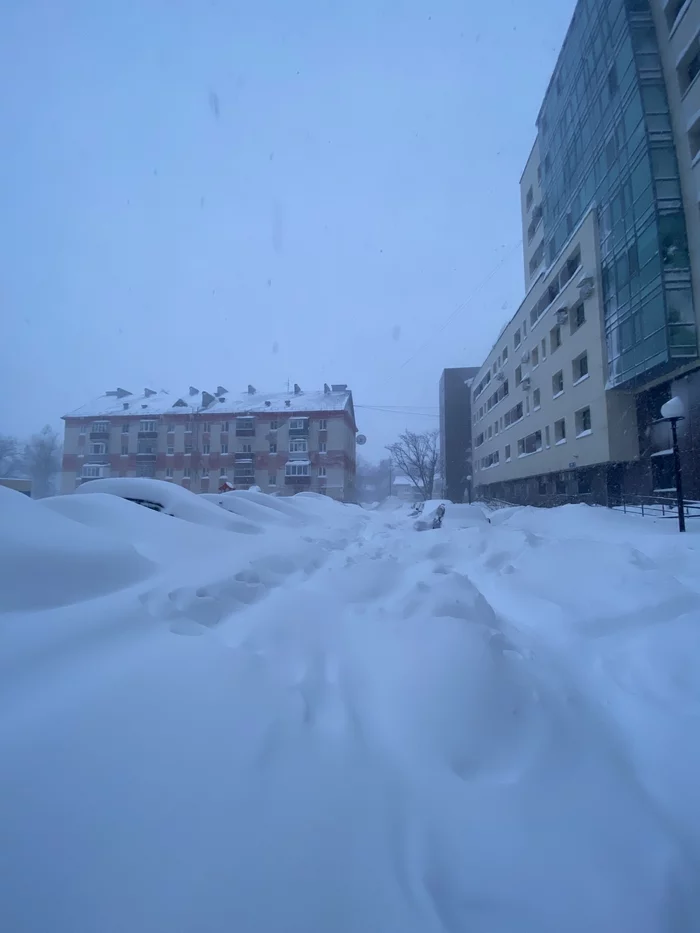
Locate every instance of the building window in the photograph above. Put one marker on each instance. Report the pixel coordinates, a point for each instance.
(188, 427)
(530, 444)
(297, 424)
(148, 426)
(245, 427)
(204, 472)
(272, 479)
(546, 436)
(555, 338)
(83, 428)
(517, 339)
(125, 450)
(580, 367)
(495, 426)
(322, 447)
(505, 354)
(529, 198)
(224, 426)
(298, 445)
(321, 472)
(583, 422)
(222, 473)
(188, 449)
(490, 431)
(542, 485)
(584, 485)
(544, 348)
(296, 469)
(274, 425)
(273, 448)
(206, 427)
(168, 472)
(323, 424)
(246, 448)
(515, 414)
(560, 431)
(171, 450)
(187, 473)
(557, 383)
(98, 448)
(100, 427)
(535, 357)
(224, 448)
(535, 399)
(578, 317)
(93, 470)
(125, 428)
(518, 375)
(206, 448)
(170, 428)
(507, 451)
(689, 66)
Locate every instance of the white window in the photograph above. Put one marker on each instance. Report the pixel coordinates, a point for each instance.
(147, 426)
(187, 473)
(171, 450)
(273, 448)
(224, 448)
(579, 368)
(546, 435)
(222, 473)
(323, 425)
(583, 422)
(224, 426)
(206, 427)
(125, 428)
(296, 469)
(322, 447)
(205, 473)
(272, 479)
(188, 427)
(274, 425)
(170, 429)
(535, 357)
(298, 445)
(321, 472)
(98, 448)
(83, 428)
(168, 472)
(557, 384)
(188, 449)
(125, 450)
(560, 431)
(206, 448)
(246, 448)
(297, 424)
(536, 399)
(100, 427)
(93, 470)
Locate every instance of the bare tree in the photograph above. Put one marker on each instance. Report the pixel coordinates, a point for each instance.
(10, 459)
(417, 456)
(43, 461)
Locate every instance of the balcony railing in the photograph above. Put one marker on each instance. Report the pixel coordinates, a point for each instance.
(99, 435)
(297, 480)
(148, 435)
(146, 456)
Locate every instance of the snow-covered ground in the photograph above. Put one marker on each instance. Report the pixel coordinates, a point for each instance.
(316, 718)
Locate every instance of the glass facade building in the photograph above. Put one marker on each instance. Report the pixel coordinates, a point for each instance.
(605, 138)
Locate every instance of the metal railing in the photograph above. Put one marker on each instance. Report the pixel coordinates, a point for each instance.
(655, 506)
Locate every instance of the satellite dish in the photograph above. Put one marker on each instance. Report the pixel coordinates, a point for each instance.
(360, 440)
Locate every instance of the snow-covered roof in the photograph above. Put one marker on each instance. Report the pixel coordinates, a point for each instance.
(221, 402)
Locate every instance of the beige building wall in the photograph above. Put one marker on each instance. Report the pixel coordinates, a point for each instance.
(531, 214)
(532, 367)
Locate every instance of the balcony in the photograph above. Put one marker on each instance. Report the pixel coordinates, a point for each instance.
(299, 427)
(99, 435)
(297, 480)
(146, 457)
(148, 435)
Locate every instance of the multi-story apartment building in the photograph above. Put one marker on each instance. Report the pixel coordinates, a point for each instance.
(455, 432)
(611, 233)
(281, 442)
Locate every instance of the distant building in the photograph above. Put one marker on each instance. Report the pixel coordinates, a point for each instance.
(455, 432)
(567, 402)
(282, 442)
(404, 488)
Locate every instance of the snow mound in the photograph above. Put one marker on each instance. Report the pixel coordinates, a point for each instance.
(48, 560)
(172, 499)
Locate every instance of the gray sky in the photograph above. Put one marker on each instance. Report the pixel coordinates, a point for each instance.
(218, 192)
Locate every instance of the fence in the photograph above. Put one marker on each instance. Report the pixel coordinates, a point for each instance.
(655, 506)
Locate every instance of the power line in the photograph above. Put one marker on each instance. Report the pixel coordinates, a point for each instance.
(391, 411)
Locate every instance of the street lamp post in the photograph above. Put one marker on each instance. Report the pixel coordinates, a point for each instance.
(672, 411)
(469, 489)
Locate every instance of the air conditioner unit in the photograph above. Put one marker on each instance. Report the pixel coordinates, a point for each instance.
(562, 315)
(586, 286)
(525, 384)
(525, 358)
(501, 377)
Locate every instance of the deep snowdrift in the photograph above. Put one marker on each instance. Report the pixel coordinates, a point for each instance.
(487, 727)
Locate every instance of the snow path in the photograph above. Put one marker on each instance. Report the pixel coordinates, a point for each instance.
(358, 727)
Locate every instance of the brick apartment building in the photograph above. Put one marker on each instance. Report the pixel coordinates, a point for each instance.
(282, 442)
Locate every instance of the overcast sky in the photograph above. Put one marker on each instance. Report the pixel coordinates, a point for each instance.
(202, 192)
